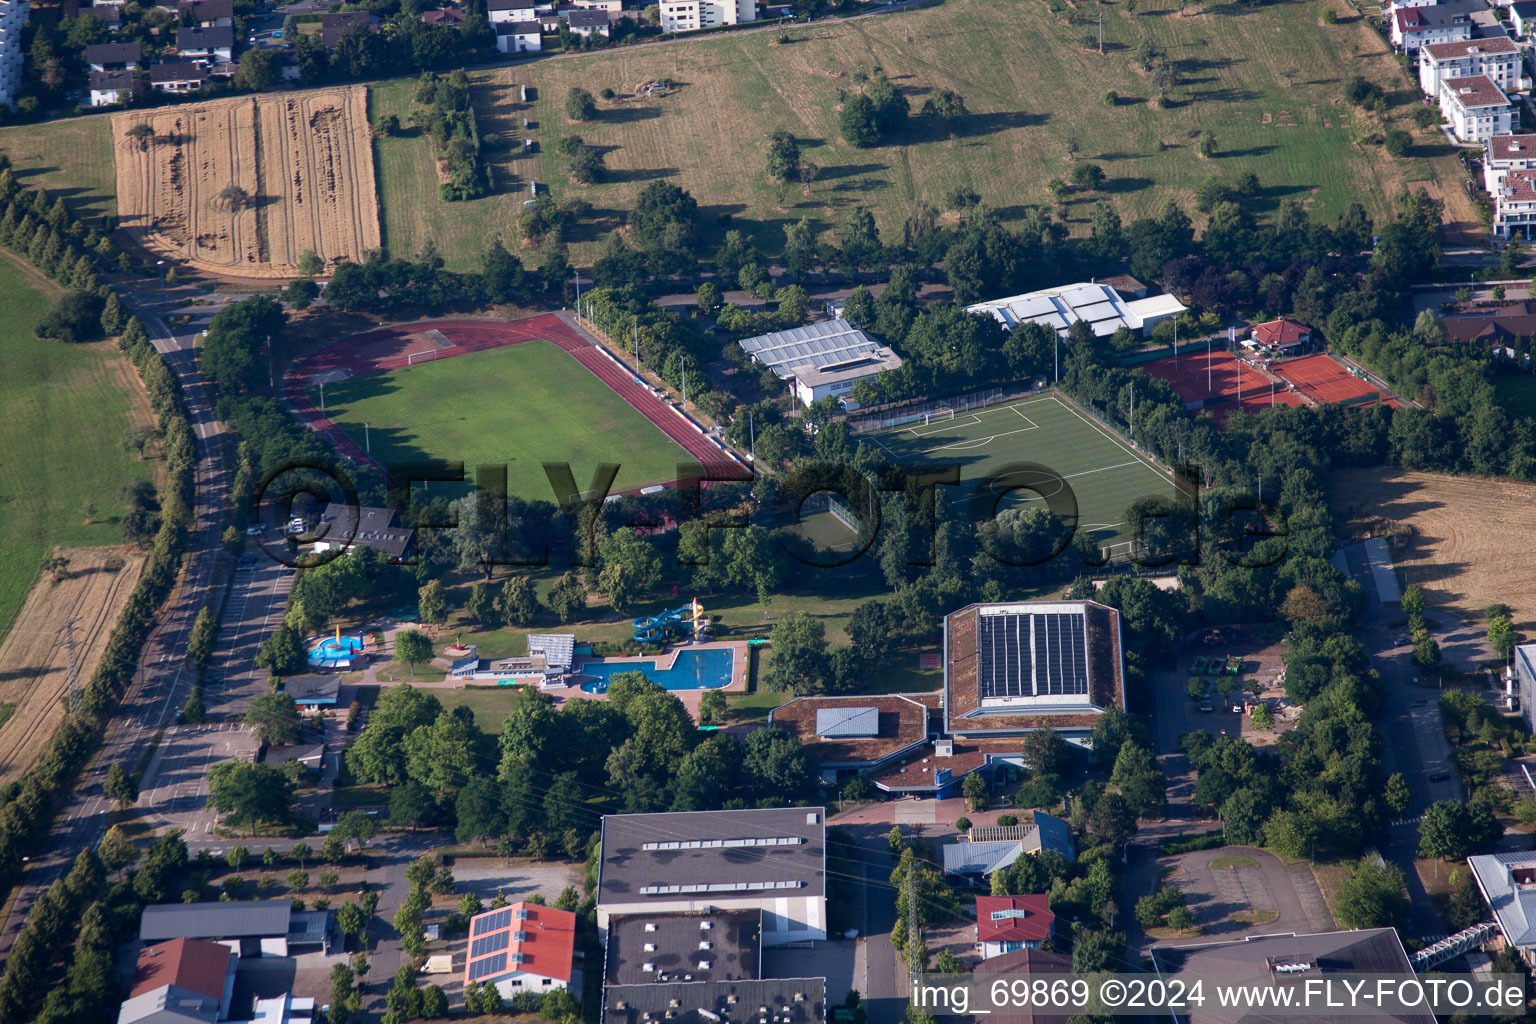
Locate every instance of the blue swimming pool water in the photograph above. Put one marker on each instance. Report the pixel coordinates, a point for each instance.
(333, 654)
(693, 670)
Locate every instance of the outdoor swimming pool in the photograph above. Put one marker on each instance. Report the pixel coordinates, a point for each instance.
(333, 653)
(693, 670)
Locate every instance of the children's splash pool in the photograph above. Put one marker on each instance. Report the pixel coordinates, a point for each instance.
(335, 652)
(693, 670)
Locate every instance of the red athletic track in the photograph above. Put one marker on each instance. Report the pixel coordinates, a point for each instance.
(389, 349)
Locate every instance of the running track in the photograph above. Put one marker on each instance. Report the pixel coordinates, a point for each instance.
(389, 348)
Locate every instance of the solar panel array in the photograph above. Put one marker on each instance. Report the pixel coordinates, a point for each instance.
(1032, 655)
(492, 922)
(822, 344)
(487, 944)
(485, 968)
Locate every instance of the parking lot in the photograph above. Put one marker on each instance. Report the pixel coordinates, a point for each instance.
(175, 786)
(1175, 713)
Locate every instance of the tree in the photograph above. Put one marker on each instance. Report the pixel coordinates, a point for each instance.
(300, 293)
(412, 805)
(707, 297)
(1112, 821)
(231, 199)
(260, 68)
(120, 787)
(297, 879)
(114, 315)
(412, 648)
(309, 263)
(1398, 794)
(355, 826)
(1397, 142)
(518, 602)
(975, 791)
(712, 707)
(282, 653)
(1501, 634)
(568, 597)
(799, 646)
(350, 919)
(1088, 176)
(432, 603)
(579, 105)
(250, 793)
(275, 719)
(481, 606)
(1140, 780)
(1413, 601)
(141, 132)
(201, 639)
(1373, 896)
(587, 165)
(944, 105)
(1181, 919)
(858, 123)
(1045, 752)
(117, 850)
(74, 316)
(783, 158)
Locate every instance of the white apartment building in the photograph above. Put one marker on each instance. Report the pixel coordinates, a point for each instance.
(1413, 27)
(692, 15)
(1498, 59)
(1505, 153)
(13, 15)
(1514, 205)
(508, 12)
(1476, 108)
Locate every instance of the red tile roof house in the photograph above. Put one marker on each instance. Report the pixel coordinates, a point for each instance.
(1008, 923)
(1505, 153)
(1282, 334)
(185, 979)
(523, 948)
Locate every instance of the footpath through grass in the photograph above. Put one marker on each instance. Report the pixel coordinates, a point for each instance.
(522, 406)
(63, 414)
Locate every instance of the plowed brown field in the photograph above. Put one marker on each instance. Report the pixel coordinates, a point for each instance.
(34, 663)
(305, 159)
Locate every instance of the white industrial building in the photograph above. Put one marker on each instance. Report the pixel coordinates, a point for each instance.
(822, 359)
(13, 15)
(1099, 305)
(769, 859)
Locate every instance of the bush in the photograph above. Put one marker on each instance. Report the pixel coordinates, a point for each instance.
(579, 105)
(75, 316)
(1398, 142)
(1189, 844)
(607, 93)
(1111, 99)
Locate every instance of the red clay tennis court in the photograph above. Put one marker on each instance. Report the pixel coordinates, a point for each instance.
(1223, 386)
(1324, 379)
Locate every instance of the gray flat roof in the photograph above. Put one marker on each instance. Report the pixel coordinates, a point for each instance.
(775, 850)
(235, 920)
(646, 949)
(846, 721)
(785, 1000)
(820, 344)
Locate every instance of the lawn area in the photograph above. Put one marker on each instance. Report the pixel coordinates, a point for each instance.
(1103, 472)
(63, 412)
(1267, 80)
(73, 156)
(520, 405)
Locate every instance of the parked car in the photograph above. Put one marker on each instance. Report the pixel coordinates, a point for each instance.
(1439, 776)
(1205, 706)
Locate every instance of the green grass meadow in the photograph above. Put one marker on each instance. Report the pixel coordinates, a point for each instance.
(521, 405)
(62, 420)
(72, 157)
(1104, 472)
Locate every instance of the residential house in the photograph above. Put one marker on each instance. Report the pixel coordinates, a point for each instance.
(523, 948)
(507, 12)
(1508, 884)
(1289, 961)
(343, 525)
(110, 14)
(822, 359)
(334, 26)
(519, 36)
(113, 56)
(611, 6)
(1502, 328)
(584, 23)
(183, 981)
(1032, 967)
(1006, 924)
(1522, 18)
(1096, 303)
(1010, 668)
(111, 87)
(211, 13)
(1514, 205)
(691, 15)
(990, 848)
(208, 46)
(1412, 27)
(177, 77)
(13, 17)
(1282, 337)
(271, 926)
(769, 859)
(1505, 153)
(1476, 108)
(453, 17)
(1497, 58)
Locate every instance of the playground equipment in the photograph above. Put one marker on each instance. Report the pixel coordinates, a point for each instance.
(673, 625)
(335, 652)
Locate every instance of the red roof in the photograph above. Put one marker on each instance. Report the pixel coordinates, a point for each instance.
(1512, 147)
(1280, 332)
(192, 964)
(1013, 918)
(538, 940)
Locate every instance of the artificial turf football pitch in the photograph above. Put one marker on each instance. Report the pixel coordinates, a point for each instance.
(518, 406)
(1104, 473)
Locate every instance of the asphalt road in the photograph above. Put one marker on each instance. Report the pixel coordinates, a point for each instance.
(164, 678)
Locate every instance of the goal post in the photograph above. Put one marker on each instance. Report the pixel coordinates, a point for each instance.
(938, 417)
(412, 358)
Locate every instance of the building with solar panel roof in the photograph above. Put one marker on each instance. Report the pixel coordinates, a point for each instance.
(822, 359)
(1010, 668)
(1098, 305)
(523, 948)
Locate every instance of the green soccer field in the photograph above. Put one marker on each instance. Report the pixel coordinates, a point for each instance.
(521, 406)
(1104, 473)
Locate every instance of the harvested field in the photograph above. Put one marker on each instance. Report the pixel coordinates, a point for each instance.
(35, 678)
(304, 159)
(1457, 532)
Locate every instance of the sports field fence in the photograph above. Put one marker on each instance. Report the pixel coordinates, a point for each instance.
(935, 409)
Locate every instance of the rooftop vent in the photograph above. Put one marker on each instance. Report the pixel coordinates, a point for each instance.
(648, 968)
(650, 947)
(705, 926)
(813, 818)
(705, 964)
(706, 944)
(650, 926)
